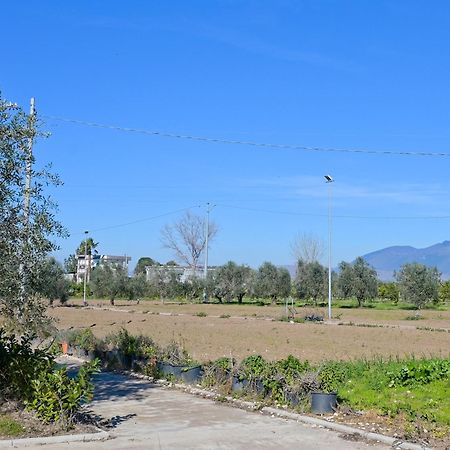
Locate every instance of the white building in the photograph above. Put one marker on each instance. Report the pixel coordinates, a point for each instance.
(183, 273)
(92, 261)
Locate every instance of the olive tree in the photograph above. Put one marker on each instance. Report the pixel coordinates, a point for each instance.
(311, 281)
(231, 281)
(109, 280)
(418, 284)
(272, 282)
(358, 280)
(51, 283)
(27, 228)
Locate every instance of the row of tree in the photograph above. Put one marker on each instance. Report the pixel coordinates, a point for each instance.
(415, 283)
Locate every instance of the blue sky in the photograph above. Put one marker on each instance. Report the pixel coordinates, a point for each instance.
(342, 74)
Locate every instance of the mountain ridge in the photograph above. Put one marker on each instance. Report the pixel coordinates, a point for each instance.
(388, 260)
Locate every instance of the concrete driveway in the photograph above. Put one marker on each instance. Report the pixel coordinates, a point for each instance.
(148, 416)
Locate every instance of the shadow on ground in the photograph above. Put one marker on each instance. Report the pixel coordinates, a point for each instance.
(111, 387)
(89, 417)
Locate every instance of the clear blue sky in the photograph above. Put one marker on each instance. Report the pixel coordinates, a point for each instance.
(342, 74)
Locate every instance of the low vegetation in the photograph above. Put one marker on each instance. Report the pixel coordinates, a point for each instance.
(414, 390)
(31, 377)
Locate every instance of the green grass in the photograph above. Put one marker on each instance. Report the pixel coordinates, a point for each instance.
(10, 427)
(369, 385)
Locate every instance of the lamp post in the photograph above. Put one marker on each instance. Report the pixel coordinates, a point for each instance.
(209, 208)
(85, 269)
(329, 180)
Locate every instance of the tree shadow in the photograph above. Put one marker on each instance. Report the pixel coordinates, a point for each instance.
(89, 417)
(115, 387)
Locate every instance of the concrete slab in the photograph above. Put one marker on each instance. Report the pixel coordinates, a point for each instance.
(148, 416)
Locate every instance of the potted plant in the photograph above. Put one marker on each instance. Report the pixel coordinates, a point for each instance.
(174, 361)
(85, 341)
(324, 399)
(249, 375)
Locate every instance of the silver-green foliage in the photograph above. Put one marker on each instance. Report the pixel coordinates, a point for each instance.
(419, 284)
(24, 244)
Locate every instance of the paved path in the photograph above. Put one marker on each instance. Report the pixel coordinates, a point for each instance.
(147, 416)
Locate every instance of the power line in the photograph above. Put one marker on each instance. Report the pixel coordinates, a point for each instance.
(340, 216)
(268, 211)
(238, 142)
(109, 227)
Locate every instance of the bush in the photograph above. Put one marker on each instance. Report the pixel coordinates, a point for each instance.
(20, 363)
(176, 355)
(30, 376)
(57, 398)
(84, 339)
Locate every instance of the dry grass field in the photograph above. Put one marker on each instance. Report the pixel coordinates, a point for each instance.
(211, 331)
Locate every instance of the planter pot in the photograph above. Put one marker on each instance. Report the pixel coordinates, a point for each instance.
(258, 386)
(169, 369)
(191, 375)
(124, 360)
(238, 385)
(292, 398)
(89, 355)
(323, 403)
(139, 362)
(65, 347)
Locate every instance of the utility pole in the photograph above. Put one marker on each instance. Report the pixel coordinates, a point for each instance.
(209, 208)
(329, 180)
(26, 200)
(29, 164)
(85, 269)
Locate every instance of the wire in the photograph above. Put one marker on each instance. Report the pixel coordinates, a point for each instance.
(248, 143)
(340, 216)
(140, 220)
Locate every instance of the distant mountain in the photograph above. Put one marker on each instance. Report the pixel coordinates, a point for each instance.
(390, 259)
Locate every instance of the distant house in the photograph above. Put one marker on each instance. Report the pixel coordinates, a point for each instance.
(92, 261)
(183, 273)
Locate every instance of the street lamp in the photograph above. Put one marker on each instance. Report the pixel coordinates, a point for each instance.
(85, 268)
(329, 180)
(209, 208)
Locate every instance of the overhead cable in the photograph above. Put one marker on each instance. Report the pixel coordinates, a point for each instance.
(247, 143)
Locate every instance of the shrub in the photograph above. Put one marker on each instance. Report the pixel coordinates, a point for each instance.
(30, 376)
(84, 339)
(176, 355)
(57, 398)
(20, 363)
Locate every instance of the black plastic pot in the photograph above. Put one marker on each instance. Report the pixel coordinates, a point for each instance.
(238, 385)
(323, 403)
(292, 398)
(169, 369)
(191, 375)
(124, 360)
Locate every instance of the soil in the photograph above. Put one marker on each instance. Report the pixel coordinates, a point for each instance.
(33, 427)
(241, 330)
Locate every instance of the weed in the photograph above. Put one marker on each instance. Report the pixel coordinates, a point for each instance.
(414, 317)
(10, 427)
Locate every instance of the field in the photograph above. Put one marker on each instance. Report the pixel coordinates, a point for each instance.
(212, 330)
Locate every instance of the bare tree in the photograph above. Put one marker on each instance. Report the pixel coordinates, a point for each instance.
(307, 247)
(187, 238)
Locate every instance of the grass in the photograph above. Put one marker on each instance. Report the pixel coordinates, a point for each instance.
(369, 385)
(10, 427)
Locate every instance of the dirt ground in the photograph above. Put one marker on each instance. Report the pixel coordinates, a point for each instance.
(241, 330)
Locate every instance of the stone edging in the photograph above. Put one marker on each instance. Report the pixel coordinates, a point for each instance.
(62, 439)
(253, 406)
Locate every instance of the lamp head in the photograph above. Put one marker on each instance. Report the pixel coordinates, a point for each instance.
(328, 178)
